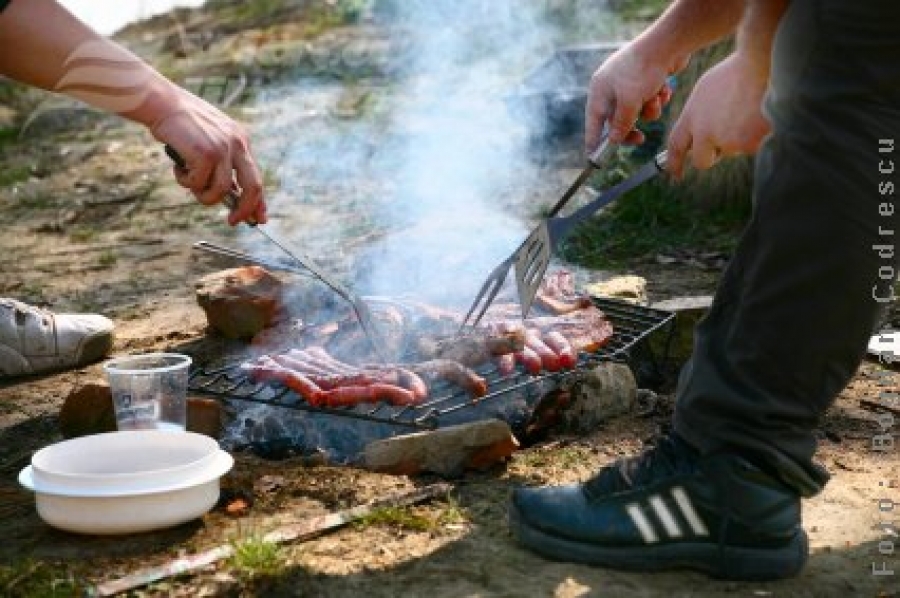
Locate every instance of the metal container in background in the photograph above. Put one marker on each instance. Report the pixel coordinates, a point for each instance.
(551, 99)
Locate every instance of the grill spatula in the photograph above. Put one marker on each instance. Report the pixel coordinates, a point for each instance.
(533, 257)
(495, 279)
(359, 307)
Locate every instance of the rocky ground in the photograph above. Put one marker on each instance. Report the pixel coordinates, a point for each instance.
(93, 222)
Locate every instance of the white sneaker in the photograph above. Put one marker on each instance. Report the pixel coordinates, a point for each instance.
(34, 341)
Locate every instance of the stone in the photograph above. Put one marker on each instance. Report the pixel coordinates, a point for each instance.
(88, 409)
(240, 302)
(630, 288)
(204, 416)
(599, 394)
(688, 312)
(446, 451)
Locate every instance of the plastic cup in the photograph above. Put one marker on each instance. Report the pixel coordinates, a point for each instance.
(149, 391)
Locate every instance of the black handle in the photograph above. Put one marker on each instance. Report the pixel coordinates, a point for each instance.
(646, 172)
(231, 199)
(175, 156)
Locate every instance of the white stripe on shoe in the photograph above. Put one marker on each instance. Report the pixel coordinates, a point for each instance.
(687, 509)
(647, 527)
(665, 515)
(642, 523)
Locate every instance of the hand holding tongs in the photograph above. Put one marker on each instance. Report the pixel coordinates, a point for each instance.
(365, 317)
(532, 257)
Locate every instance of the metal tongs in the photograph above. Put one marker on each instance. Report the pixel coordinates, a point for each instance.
(532, 257)
(361, 310)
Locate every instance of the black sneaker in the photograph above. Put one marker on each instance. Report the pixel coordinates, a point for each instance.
(669, 508)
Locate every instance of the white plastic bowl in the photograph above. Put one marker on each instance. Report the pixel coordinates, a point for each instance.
(126, 482)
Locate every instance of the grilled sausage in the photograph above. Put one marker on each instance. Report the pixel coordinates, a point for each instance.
(506, 364)
(549, 359)
(268, 370)
(530, 360)
(562, 347)
(414, 383)
(346, 396)
(455, 373)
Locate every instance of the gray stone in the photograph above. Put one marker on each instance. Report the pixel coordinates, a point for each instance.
(607, 390)
(688, 311)
(447, 451)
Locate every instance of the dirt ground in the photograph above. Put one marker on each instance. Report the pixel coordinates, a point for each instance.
(96, 224)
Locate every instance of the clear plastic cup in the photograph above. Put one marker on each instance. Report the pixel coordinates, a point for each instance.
(149, 391)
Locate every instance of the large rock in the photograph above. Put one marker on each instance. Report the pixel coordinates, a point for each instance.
(240, 302)
(447, 451)
(628, 288)
(688, 311)
(88, 409)
(599, 394)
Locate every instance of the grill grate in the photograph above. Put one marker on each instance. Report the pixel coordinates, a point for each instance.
(631, 324)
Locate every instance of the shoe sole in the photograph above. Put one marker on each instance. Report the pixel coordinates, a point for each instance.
(723, 562)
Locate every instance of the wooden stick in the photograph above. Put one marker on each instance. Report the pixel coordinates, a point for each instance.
(301, 530)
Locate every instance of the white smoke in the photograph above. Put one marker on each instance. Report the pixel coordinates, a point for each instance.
(438, 174)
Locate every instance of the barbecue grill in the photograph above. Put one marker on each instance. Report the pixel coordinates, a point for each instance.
(631, 325)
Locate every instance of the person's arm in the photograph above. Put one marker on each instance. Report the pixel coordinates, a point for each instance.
(632, 82)
(42, 44)
(723, 116)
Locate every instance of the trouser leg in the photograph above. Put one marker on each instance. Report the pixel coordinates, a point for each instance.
(800, 298)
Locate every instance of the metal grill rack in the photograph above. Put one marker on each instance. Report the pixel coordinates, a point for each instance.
(631, 325)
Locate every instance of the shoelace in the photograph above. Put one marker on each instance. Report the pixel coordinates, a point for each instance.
(669, 456)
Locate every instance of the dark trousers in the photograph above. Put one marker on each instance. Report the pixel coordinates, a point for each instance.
(806, 286)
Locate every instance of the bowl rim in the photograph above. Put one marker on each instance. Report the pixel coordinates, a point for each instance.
(220, 465)
(71, 444)
(114, 365)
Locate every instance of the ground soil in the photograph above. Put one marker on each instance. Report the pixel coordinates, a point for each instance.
(98, 225)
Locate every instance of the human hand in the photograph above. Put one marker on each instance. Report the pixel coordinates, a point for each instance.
(722, 117)
(215, 151)
(629, 84)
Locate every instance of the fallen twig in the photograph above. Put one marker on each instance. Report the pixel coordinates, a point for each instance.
(301, 530)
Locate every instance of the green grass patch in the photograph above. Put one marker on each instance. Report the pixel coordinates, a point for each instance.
(34, 579)
(559, 457)
(40, 200)
(706, 212)
(84, 235)
(651, 220)
(452, 513)
(255, 557)
(396, 517)
(11, 176)
(107, 259)
(8, 135)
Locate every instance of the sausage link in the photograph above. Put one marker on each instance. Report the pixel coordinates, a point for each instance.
(549, 359)
(530, 360)
(568, 358)
(506, 364)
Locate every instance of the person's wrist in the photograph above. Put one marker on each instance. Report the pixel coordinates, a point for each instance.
(755, 66)
(660, 51)
(162, 100)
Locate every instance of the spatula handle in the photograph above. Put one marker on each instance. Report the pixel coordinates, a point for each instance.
(562, 226)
